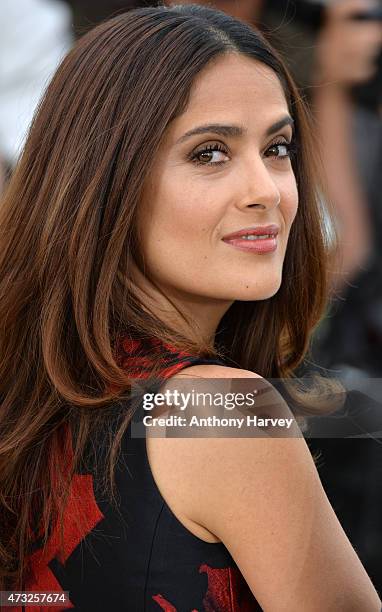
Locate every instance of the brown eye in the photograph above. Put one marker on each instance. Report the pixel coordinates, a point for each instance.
(281, 150)
(211, 155)
(205, 156)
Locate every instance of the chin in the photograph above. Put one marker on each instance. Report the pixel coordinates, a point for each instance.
(258, 293)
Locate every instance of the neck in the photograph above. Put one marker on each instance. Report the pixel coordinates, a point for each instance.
(195, 317)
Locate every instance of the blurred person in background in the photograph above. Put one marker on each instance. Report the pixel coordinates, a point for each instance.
(349, 339)
(35, 35)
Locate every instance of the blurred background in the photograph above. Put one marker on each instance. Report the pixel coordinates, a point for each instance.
(333, 50)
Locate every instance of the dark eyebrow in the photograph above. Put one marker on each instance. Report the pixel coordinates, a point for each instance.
(232, 130)
(287, 120)
(216, 128)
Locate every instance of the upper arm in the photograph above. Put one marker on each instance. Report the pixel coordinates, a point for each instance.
(263, 499)
(267, 505)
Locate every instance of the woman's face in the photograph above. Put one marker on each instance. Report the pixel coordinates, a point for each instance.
(223, 166)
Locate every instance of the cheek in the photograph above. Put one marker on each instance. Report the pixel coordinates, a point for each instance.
(289, 201)
(177, 222)
(183, 209)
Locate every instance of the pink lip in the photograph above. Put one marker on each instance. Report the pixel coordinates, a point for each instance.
(257, 230)
(259, 246)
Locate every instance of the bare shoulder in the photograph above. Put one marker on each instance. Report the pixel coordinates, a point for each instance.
(215, 371)
(262, 497)
(238, 382)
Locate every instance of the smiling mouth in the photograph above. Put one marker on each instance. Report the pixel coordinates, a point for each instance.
(262, 244)
(254, 237)
(261, 231)
(258, 239)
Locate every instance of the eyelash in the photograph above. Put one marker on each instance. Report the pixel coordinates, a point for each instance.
(291, 152)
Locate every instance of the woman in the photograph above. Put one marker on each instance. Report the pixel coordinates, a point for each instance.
(163, 133)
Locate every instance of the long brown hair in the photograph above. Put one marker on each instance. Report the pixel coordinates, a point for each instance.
(67, 240)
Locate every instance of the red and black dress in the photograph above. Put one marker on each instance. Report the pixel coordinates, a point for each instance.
(136, 556)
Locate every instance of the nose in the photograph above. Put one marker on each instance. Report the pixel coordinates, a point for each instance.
(259, 189)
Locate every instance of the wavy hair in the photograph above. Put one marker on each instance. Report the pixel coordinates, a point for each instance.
(68, 238)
